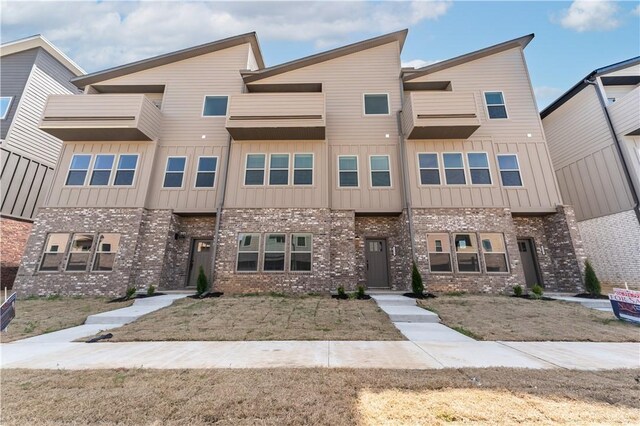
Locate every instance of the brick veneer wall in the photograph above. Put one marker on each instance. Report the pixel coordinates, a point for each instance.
(13, 240)
(566, 250)
(533, 227)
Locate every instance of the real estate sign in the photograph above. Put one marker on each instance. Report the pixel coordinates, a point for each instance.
(7, 311)
(626, 304)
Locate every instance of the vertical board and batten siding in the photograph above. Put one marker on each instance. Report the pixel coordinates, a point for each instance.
(24, 184)
(16, 69)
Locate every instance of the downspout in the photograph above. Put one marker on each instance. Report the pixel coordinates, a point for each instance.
(625, 166)
(405, 175)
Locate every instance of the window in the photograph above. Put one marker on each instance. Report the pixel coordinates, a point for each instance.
(376, 104)
(279, 169)
(495, 253)
(54, 250)
(509, 170)
(254, 173)
(429, 169)
(80, 252)
(215, 106)
(274, 248)
(303, 169)
(248, 248)
(348, 170)
(467, 252)
(206, 174)
(439, 249)
(380, 174)
(301, 252)
(78, 170)
(175, 172)
(454, 169)
(102, 170)
(106, 249)
(5, 104)
(495, 104)
(126, 169)
(479, 168)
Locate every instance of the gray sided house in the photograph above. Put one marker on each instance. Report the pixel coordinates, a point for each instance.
(32, 68)
(593, 132)
(331, 170)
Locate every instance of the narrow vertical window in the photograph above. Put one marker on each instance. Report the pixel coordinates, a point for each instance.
(102, 167)
(254, 171)
(78, 170)
(301, 252)
(348, 170)
(467, 252)
(439, 252)
(248, 250)
(80, 252)
(215, 106)
(274, 248)
(303, 169)
(454, 169)
(54, 250)
(509, 170)
(479, 168)
(5, 104)
(495, 252)
(495, 104)
(174, 174)
(126, 170)
(380, 172)
(206, 174)
(106, 250)
(429, 169)
(279, 169)
(376, 104)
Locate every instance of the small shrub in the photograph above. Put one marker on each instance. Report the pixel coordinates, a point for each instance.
(517, 290)
(202, 284)
(341, 292)
(360, 292)
(131, 291)
(54, 297)
(591, 281)
(416, 281)
(536, 291)
(151, 290)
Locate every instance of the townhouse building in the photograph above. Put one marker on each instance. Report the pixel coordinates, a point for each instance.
(593, 132)
(337, 169)
(31, 69)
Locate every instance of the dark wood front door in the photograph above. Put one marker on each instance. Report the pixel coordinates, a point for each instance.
(529, 263)
(376, 263)
(200, 256)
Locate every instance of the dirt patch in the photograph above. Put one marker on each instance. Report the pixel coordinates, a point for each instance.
(515, 319)
(295, 396)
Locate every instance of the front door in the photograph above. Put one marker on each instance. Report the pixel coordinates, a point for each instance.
(528, 258)
(200, 256)
(376, 263)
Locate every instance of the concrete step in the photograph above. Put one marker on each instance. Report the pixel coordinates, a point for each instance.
(429, 332)
(393, 300)
(410, 314)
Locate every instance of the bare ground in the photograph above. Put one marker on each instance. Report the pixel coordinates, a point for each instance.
(41, 315)
(514, 319)
(319, 397)
(262, 318)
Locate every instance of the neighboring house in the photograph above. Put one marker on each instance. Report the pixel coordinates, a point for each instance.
(332, 170)
(31, 69)
(593, 131)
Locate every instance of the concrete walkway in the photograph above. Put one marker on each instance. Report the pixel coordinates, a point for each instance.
(597, 304)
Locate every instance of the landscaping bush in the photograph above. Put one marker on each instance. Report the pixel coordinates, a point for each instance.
(517, 290)
(591, 281)
(131, 291)
(360, 292)
(151, 290)
(536, 291)
(341, 293)
(416, 281)
(202, 284)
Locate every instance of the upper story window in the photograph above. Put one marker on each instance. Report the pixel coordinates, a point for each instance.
(454, 168)
(509, 170)
(496, 106)
(174, 174)
(279, 169)
(126, 170)
(380, 172)
(206, 174)
(54, 251)
(479, 168)
(254, 171)
(347, 171)
(215, 106)
(5, 104)
(102, 167)
(78, 169)
(376, 104)
(303, 169)
(429, 169)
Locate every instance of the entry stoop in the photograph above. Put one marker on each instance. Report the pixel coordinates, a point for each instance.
(404, 309)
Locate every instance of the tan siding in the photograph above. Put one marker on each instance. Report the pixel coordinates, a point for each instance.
(632, 70)
(618, 91)
(625, 113)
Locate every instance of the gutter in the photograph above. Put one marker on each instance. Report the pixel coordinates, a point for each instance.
(405, 176)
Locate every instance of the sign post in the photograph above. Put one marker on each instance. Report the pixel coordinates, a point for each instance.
(7, 311)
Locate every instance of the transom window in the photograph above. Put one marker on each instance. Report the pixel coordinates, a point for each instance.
(80, 252)
(78, 169)
(279, 169)
(376, 104)
(509, 170)
(102, 167)
(479, 168)
(348, 170)
(439, 249)
(467, 252)
(206, 174)
(274, 252)
(106, 249)
(215, 106)
(174, 173)
(380, 172)
(454, 168)
(495, 104)
(248, 251)
(54, 251)
(429, 169)
(303, 169)
(495, 252)
(301, 252)
(5, 104)
(126, 170)
(254, 171)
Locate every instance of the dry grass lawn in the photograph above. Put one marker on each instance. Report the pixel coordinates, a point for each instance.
(41, 315)
(262, 318)
(318, 397)
(513, 319)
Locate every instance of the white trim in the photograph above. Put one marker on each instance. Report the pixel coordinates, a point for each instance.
(204, 100)
(69, 169)
(364, 113)
(464, 170)
(238, 239)
(479, 168)
(4, 116)
(279, 168)
(357, 171)
(509, 170)
(504, 103)
(135, 171)
(264, 253)
(388, 171)
(184, 171)
(293, 169)
(111, 172)
(264, 169)
(440, 171)
(215, 172)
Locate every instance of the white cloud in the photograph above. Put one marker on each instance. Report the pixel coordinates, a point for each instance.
(590, 15)
(636, 11)
(103, 34)
(418, 63)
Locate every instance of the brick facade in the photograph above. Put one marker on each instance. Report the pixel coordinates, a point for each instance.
(13, 240)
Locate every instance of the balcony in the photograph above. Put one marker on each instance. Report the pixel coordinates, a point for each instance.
(107, 117)
(277, 116)
(440, 115)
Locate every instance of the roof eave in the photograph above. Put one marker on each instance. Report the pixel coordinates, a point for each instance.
(38, 40)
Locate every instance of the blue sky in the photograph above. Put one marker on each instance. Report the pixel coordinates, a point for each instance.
(572, 38)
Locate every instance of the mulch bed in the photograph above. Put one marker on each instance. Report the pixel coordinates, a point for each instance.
(530, 297)
(591, 296)
(137, 296)
(206, 295)
(420, 296)
(346, 297)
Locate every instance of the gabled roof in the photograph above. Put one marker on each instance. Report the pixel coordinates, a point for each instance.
(468, 57)
(399, 36)
(35, 41)
(583, 83)
(176, 56)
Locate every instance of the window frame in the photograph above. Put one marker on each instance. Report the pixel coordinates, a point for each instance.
(268, 169)
(86, 176)
(519, 169)
(364, 108)
(450, 253)
(291, 252)
(338, 157)
(504, 104)
(486, 154)
(477, 253)
(464, 170)
(6, 113)
(184, 172)
(215, 173)
(62, 261)
(293, 169)
(420, 169)
(96, 251)
(204, 102)
(135, 171)
(264, 254)
(112, 175)
(238, 240)
(91, 253)
(246, 167)
(371, 186)
(505, 253)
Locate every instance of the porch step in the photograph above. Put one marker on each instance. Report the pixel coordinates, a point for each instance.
(393, 300)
